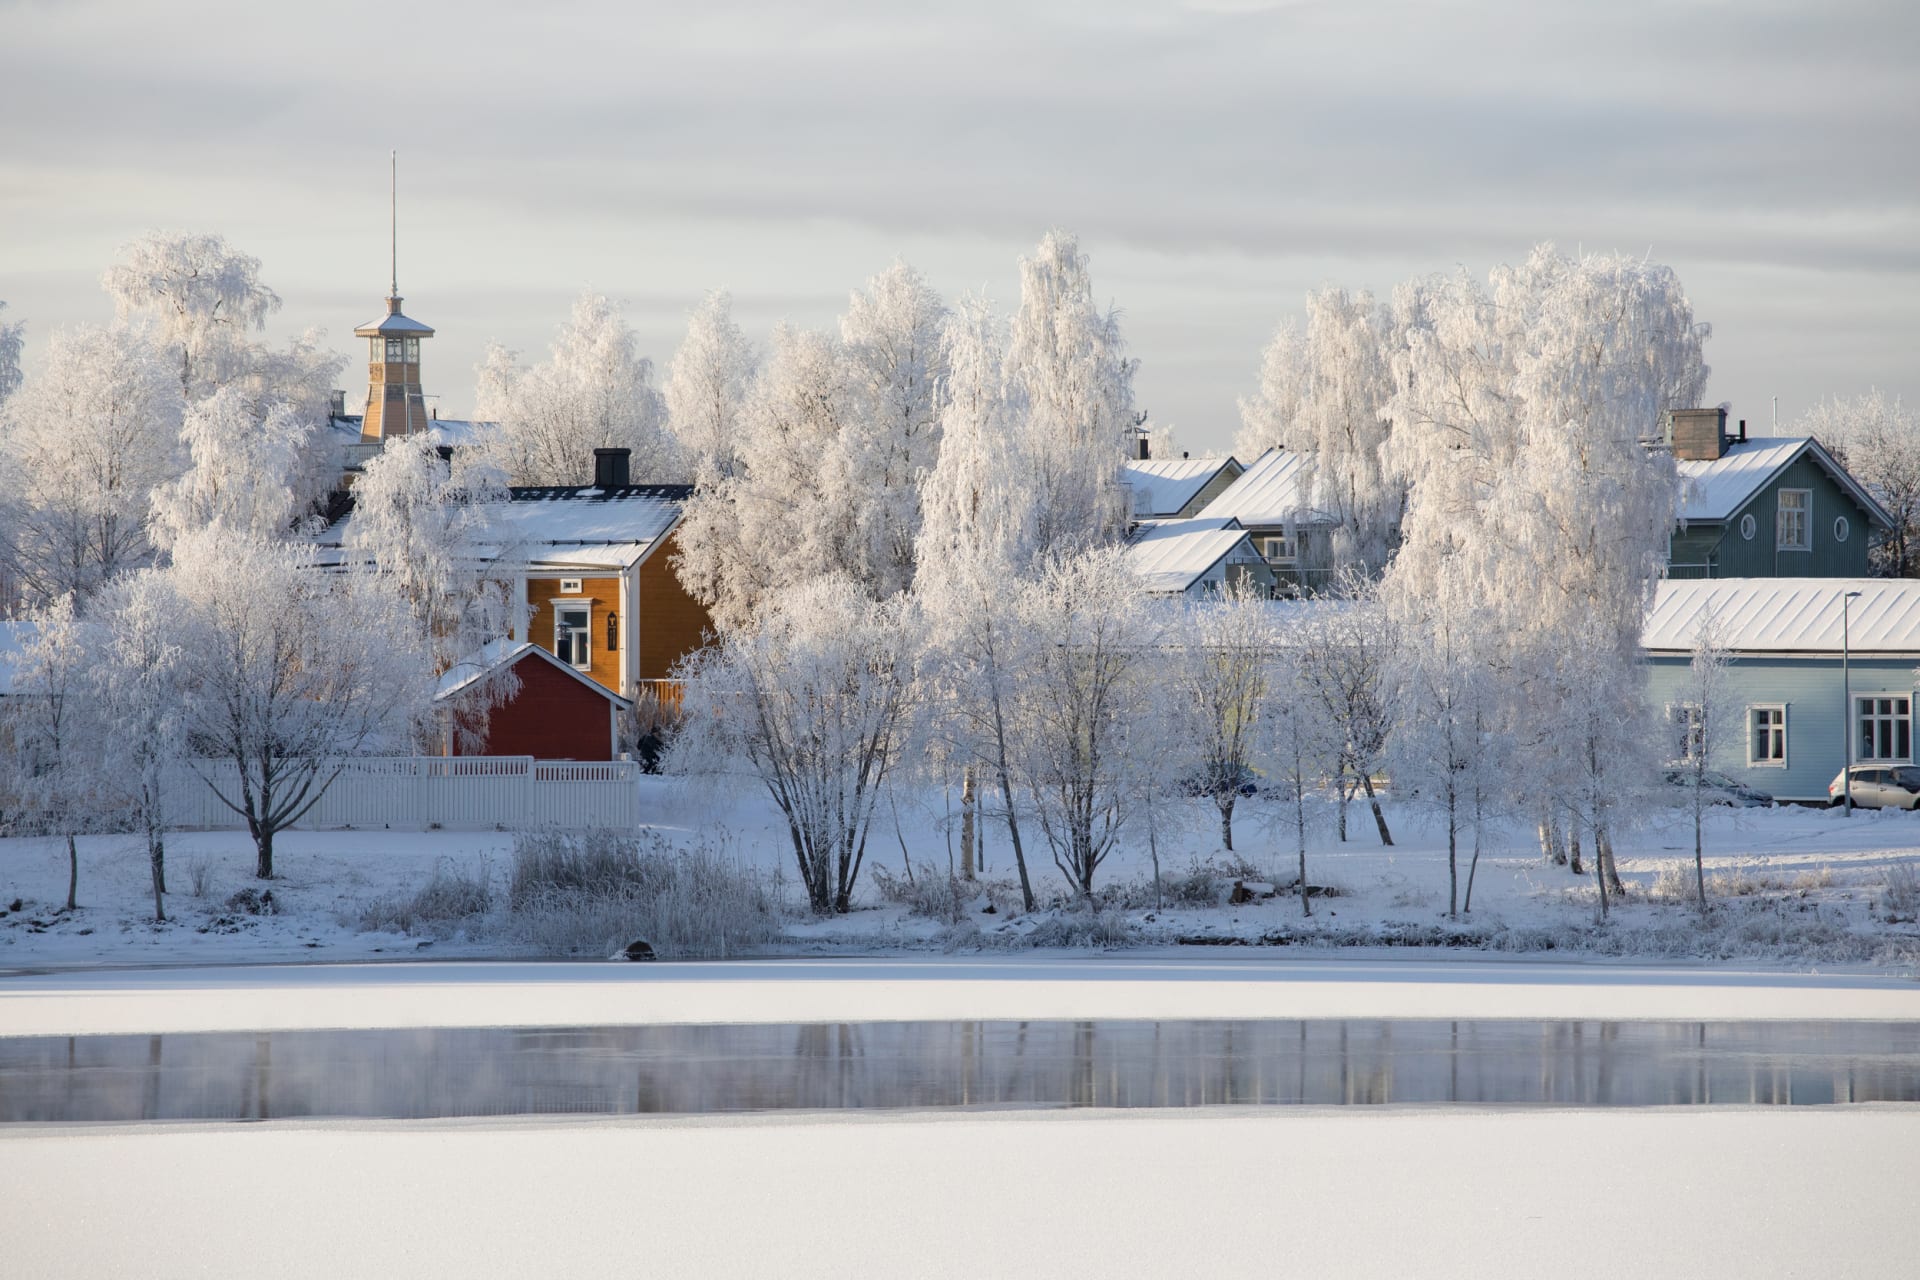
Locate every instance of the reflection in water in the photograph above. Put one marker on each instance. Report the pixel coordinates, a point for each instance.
(853, 1066)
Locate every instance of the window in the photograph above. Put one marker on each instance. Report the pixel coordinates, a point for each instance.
(1688, 729)
(1793, 526)
(570, 631)
(1748, 527)
(1841, 528)
(570, 586)
(1885, 727)
(1767, 736)
(1280, 548)
(395, 351)
(413, 350)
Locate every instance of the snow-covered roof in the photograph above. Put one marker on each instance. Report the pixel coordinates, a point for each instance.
(568, 526)
(1172, 555)
(1161, 487)
(1787, 615)
(14, 637)
(454, 431)
(1717, 490)
(1273, 491)
(393, 325)
(497, 655)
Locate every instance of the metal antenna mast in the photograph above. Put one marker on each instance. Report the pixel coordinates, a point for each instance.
(393, 220)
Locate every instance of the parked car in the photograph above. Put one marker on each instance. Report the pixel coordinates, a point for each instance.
(1245, 781)
(1719, 788)
(1879, 786)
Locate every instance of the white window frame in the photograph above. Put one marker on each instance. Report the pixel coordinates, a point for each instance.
(569, 586)
(585, 632)
(1800, 518)
(1280, 548)
(1754, 759)
(1899, 714)
(1842, 529)
(1686, 726)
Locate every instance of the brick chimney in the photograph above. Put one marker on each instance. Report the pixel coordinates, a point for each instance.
(610, 468)
(1697, 435)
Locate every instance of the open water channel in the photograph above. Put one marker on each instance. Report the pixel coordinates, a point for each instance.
(686, 1070)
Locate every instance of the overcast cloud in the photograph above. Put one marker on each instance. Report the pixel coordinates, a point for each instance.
(1217, 159)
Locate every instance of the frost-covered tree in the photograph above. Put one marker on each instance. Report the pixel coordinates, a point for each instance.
(893, 333)
(417, 520)
(1700, 718)
(974, 500)
(84, 442)
(707, 386)
(815, 696)
(248, 474)
(1879, 441)
(1519, 413)
(199, 297)
(54, 756)
(136, 680)
(288, 671)
(1221, 683)
(1347, 655)
(594, 391)
(1324, 395)
(1072, 393)
(12, 339)
(1298, 745)
(1083, 730)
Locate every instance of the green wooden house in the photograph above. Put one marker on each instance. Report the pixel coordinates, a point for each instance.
(1771, 507)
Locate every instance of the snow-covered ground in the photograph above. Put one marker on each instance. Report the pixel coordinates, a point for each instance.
(1794, 887)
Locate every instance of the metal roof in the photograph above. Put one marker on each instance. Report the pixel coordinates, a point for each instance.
(568, 526)
(1172, 555)
(1717, 490)
(393, 325)
(1273, 491)
(1161, 487)
(1787, 615)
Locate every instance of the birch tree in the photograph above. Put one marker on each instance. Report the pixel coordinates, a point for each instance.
(286, 672)
(1701, 717)
(1081, 706)
(1222, 681)
(49, 717)
(84, 442)
(1297, 743)
(815, 697)
(1072, 385)
(247, 474)
(198, 297)
(706, 389)
(137, 685)
(12, 340)
(594, 391)
(1878, 440)
(1346, 657)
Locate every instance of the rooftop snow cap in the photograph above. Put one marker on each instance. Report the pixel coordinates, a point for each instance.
(610, 468)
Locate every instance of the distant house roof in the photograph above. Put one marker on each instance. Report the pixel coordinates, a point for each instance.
(1169, 557)
(1716, 491)
(1787, 615)
(1162, 487)
(498, 655)
(567, 526)
(14, 637)
(393, 325)
(454, 431)
(1273, 491)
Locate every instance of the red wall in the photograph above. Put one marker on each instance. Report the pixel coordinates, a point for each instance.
(552, 717)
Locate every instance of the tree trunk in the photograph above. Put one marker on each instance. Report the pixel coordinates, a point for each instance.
(1453, 863)
(1600, 875)
(1006, 797)
(1379, 818)
(1603, 855)
(263, 842)
(966, 823)
(1345, 795)
(1699, 853)
(1573, 848)
(156, 858)
(1472, 866)
(1300, 832)
(1226, 822)
(73, 873)
(1153, 847)
(1552, 848)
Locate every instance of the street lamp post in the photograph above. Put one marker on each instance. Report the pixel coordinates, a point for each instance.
(1846, 700)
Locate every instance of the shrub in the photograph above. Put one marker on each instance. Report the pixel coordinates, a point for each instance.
(450, 899)
(200, 876)
(1900, 892)
(941, 895)
(591, 893)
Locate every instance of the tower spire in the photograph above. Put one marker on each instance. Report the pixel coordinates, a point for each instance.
(393, 221)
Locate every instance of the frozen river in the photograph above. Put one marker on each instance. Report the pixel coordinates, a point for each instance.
(668, 1070)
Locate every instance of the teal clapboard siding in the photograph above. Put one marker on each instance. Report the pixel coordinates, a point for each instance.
(1732, 556)
(1811, 690)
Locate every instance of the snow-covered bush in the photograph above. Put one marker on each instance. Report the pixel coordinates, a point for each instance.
(1900, 892)
(451, 898)
(591, 893)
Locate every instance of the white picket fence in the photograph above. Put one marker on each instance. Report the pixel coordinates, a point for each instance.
(473, 792)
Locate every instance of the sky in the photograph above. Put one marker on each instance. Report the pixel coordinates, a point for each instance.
(1218, 158)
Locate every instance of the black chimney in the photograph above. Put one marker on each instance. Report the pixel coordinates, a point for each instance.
(337, 403)
(610, 468)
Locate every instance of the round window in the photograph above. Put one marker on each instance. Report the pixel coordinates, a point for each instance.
(1841, 528)
(1747, 527)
